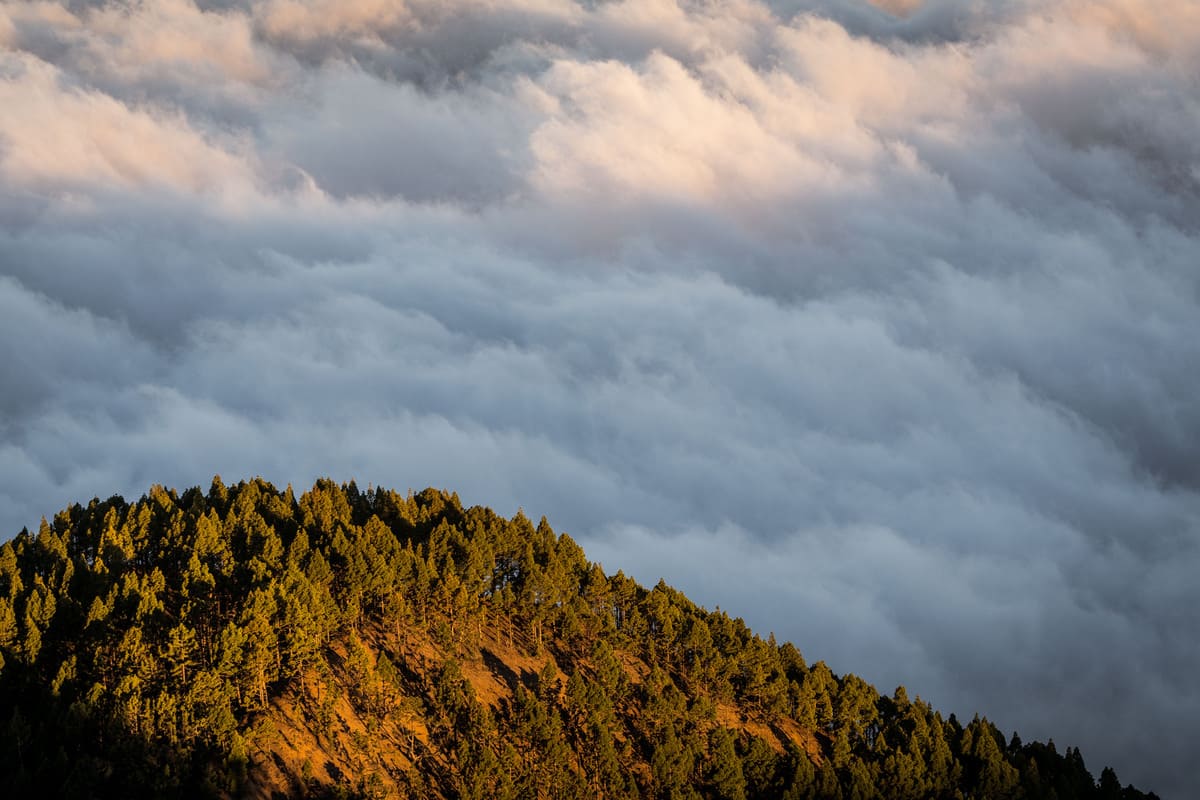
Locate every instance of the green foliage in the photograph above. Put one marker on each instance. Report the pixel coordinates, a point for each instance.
(145, 647)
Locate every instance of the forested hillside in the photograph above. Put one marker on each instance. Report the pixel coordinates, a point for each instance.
(246, 642)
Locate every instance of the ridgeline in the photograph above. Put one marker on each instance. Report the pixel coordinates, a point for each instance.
(248, 643)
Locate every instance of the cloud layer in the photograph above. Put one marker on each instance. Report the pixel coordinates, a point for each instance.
(879, 326)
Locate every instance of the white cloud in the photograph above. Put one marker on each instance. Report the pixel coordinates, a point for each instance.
(60, 138)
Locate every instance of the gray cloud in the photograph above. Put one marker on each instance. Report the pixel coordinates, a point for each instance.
(878, 330)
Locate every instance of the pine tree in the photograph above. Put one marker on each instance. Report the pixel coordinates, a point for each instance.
(725, 768)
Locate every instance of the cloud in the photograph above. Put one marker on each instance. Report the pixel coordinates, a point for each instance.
(876, 330)
(901, 8)
(466, 147)
(59, 138)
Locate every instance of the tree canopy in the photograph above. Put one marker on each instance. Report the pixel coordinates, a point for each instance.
(375, 644)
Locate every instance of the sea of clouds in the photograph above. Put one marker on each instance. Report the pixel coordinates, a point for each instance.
(876, 325)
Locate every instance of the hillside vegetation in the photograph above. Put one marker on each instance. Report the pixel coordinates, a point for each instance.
(246, 642)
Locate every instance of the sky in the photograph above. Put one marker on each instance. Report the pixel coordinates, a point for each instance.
(875, 325)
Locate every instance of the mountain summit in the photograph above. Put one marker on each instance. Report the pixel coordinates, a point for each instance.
(248, 643)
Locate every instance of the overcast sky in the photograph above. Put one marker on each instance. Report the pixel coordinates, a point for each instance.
(879, 327)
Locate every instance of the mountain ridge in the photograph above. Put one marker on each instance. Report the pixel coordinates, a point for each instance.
(245, 642)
